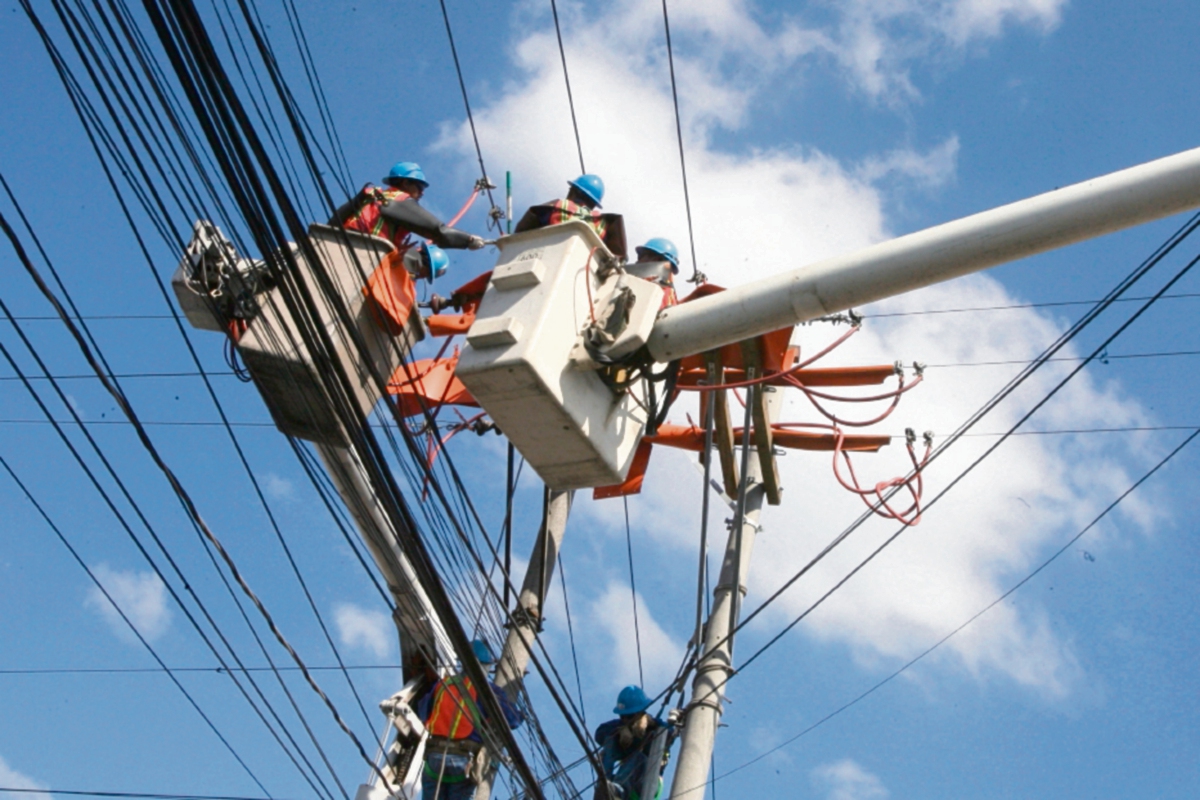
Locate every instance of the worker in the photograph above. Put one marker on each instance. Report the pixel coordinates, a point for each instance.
(657, 261)
(582, 202)
(393, 212)
(426, 261)
(625, 745)
(453, 758)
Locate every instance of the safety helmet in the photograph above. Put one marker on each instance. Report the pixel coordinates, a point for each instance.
(591, 185)
(482, 652)
(406, 170)
(435, 259)
(631, 700)
(662, 247)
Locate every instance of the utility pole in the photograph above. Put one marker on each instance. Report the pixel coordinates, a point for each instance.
(527, 616)
(716, 661)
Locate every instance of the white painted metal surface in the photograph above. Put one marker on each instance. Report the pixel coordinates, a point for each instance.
(1061, 217)
(568, 424)
(284, 371)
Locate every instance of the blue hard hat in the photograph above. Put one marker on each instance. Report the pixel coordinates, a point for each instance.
(436, 259)
(483, 652)
(662, 247)
(409, 170)
(591, 185)
(631, 700)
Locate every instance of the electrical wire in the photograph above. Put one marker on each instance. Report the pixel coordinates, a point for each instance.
(462, 85)
(129, 623)
(567, 78)
(186, 499)
(1130, 280)
(920, 656)
(177, 670)
(637, 631)
(958, 478)
(133, 795)
(697, 275)
(189, 588)
(562, 576)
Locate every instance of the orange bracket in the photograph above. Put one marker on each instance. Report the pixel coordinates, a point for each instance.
(466, 299)
(688, 437)
(428, 384)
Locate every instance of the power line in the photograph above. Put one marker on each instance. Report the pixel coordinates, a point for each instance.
(141, 547)
(966, 435)
(916, 313)
(1053, 557)
(136, 795)
(637, 630)
(1017, 306)
(154, 670)
(1139, 272)
(467, 103)
(1163, 250)
(947, 365)
(133, 628)
(183, 496)
(697, 275)
(566, 77)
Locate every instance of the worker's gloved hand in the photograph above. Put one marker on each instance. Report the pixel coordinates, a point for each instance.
(675, 717)
(475, 243)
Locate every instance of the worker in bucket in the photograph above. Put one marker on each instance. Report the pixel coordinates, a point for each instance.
(582, 202)
(625, 745)
(426, 261)
(657, 261)
(454, 761)
(393, 212)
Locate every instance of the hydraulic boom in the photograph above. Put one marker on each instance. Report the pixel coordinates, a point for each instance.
(1064, 216)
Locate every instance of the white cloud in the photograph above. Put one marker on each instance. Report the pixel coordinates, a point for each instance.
(612, 613)
(931, 170)
(364, 629)
(141, 595)
(15, 780)
(847, 780)
(876, 42)
(759, 212)
(277, 487)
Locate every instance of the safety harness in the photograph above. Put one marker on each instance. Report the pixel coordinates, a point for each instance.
(370, 202)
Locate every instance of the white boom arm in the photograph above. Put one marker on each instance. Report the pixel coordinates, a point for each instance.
(1085, 210)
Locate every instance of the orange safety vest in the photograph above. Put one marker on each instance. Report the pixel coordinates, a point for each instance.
(368, 219)
(453, 716)
(564, 210)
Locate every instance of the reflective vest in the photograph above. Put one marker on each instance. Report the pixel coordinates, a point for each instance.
(367, 218)
(453, 715)
(564, 210)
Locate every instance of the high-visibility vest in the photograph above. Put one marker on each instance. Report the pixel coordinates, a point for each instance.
(454, 714)
(368, 219)
(564, 210)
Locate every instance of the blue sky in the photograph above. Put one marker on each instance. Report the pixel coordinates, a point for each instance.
(811, 129)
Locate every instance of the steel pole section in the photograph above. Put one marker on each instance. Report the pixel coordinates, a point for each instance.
(415, 617)
(716, 664)
(527, 617)
(1054, 219)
